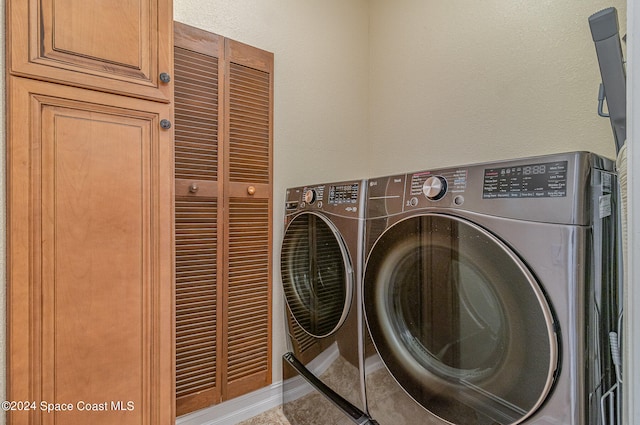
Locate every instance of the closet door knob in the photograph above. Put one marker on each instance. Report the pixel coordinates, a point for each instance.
(165, 124)
(251, 190)
(165, 78)
(193, 188)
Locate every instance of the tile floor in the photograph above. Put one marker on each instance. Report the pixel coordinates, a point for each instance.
(270, 417)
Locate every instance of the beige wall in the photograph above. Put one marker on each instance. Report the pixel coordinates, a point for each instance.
(463, 81)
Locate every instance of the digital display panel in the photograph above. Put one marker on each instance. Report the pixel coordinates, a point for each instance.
(343, 194)
(545, 180)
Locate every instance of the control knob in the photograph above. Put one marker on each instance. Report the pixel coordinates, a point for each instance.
(310, 196)
(434, 187)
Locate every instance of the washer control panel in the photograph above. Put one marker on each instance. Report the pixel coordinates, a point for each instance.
(344, 194)
(343, 198)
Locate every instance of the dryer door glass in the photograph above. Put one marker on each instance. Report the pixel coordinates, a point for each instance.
(316, 274)
(459, 321)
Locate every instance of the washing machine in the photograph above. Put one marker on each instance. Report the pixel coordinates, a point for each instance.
(490, 292)
(321, 269)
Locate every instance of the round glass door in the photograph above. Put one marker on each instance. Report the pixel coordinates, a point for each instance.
(459, 321)
(316, 274)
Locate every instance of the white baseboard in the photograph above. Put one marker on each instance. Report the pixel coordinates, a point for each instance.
(238, 409)
(249, 405)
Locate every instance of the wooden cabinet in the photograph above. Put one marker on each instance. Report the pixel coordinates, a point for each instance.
(90, 194)
(224, 104)
(119, 46)
(90, 253)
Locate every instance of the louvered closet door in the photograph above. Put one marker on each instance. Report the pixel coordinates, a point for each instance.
(198, 292)
(223, 104)
(248, 101)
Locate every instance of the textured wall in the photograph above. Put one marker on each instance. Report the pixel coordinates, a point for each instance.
(463, 81)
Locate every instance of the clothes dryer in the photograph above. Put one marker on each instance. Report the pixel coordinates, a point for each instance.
(490, 291)
(321, 268)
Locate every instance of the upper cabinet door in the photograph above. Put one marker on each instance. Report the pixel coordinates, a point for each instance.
(119, 46)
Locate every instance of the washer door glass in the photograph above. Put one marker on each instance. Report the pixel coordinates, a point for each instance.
(459, 321)
(316, 274)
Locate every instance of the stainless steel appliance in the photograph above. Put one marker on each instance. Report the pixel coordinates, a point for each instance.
(321, 268)
(490, 291)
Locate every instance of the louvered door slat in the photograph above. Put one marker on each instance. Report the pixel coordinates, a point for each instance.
(248, 109)
(197, 117)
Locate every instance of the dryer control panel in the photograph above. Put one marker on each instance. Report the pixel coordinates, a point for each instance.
(535, 180)
(552, 188)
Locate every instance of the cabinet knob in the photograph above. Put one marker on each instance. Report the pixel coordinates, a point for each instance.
(165, 124)
(193, 188)
(251, 190)
(165, 78)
